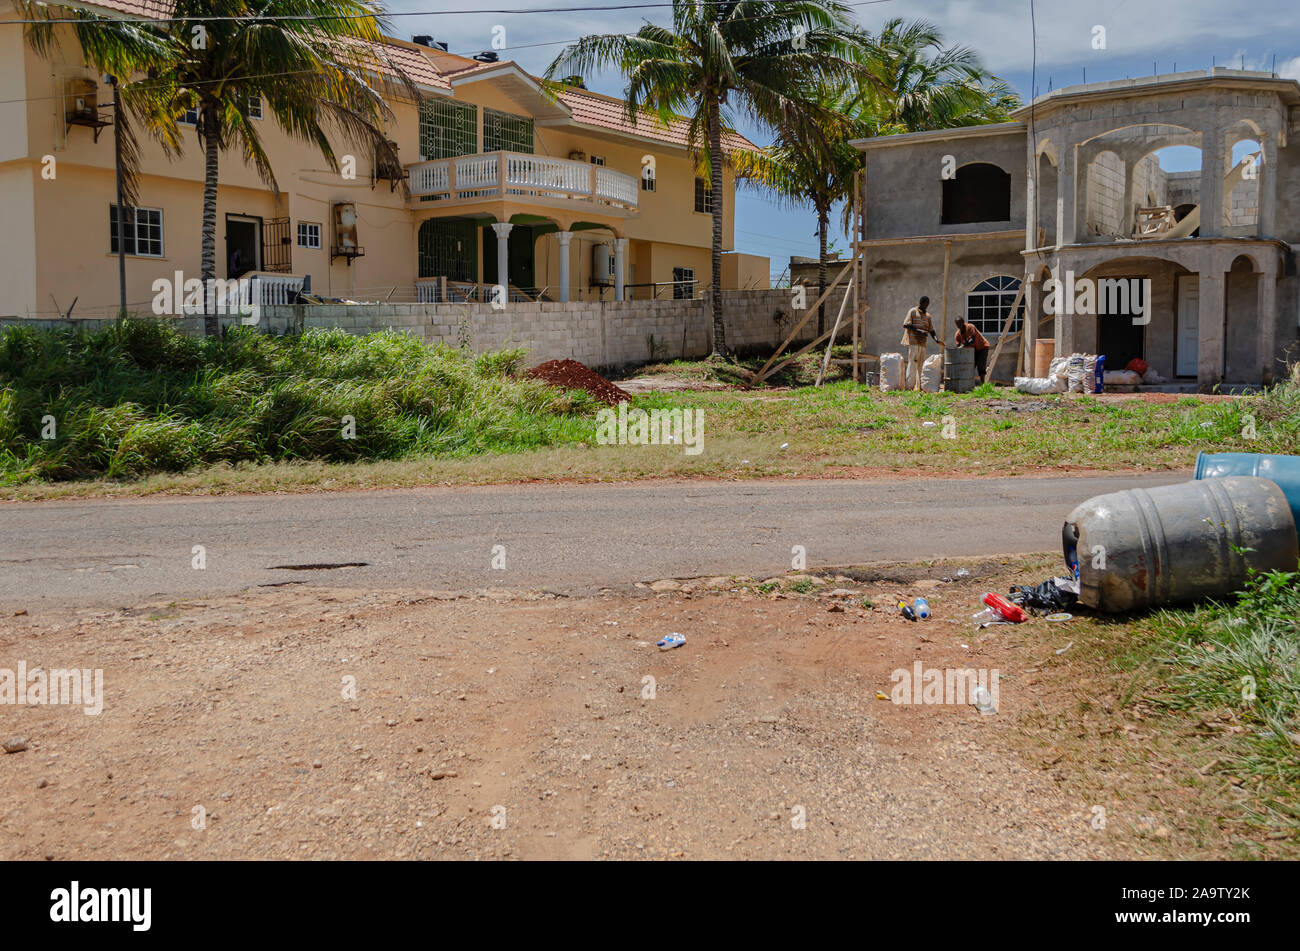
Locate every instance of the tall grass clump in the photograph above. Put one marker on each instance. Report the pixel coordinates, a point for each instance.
(1238, 665)
(140, 397)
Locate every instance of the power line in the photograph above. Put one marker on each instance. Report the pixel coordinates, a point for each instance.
(518, 11)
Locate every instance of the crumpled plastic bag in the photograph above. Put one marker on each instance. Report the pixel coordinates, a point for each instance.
(1053, 595)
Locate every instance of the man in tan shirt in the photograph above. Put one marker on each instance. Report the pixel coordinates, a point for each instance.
(916, 327)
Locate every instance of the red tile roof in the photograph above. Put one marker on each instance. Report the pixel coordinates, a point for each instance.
(433, 68)
(606, 112)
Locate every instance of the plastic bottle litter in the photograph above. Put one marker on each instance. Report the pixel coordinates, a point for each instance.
(669, 641)
(962, 573)
(922, 608)
(905, 609)
(1005, 608)
(983, 701)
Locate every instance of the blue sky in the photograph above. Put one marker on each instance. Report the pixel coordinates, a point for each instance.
(1140, 36)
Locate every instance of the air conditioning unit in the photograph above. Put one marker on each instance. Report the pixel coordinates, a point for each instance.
(602, 265)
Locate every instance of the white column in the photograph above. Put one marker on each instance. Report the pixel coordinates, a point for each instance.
(503, 255)
(620, 257)
(564, 237)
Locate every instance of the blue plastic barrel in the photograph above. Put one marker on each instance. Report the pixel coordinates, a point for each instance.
(1284, 470)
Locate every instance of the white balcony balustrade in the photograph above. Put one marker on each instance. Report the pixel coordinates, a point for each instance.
(505, 175)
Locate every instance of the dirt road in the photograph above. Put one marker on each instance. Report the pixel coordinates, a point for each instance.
(532, 726)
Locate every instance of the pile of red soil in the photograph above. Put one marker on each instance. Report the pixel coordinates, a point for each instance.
(572, 375)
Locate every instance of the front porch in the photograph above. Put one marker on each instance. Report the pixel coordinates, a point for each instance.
(1210, 320)
(529, 256)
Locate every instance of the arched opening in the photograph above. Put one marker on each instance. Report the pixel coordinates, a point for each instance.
(1177, 170)
(1135, 179)
(978, 192)
(1046, 196)
(1241, 322)
(1241, 189)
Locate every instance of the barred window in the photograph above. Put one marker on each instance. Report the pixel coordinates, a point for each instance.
(447, 129)
(143, 235)
(683, 283)
(989, 303)
(703, 197)
(506, 132)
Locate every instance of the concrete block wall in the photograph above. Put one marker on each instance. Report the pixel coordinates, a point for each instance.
(599, 334)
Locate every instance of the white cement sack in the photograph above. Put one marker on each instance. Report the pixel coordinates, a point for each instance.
(891, 372)
(1056, 371)
(932, 373)
(1038, 385)
(1122, 377)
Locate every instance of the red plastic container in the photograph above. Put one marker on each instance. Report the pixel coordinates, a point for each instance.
(1000, 605)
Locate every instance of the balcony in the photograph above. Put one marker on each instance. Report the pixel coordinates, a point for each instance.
(512, 176)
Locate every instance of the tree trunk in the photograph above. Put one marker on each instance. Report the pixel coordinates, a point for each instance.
(212, 146)
(823, 222)
(715, 169)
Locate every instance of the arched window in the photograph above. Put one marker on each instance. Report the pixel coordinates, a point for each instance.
(989, 303)
(978, 192)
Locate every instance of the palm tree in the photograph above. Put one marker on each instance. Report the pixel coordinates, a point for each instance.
(917, 84)
(922, 84)
(763, 59)
(821, 177)
(309, 61)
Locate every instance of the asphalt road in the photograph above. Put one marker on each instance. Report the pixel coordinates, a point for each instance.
(570, 538)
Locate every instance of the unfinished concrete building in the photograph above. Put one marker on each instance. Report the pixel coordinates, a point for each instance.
(1184, 188)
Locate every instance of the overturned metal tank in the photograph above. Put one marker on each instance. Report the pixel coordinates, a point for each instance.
(1142, 548)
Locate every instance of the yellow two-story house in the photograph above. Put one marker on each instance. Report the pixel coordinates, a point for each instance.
(557, 198)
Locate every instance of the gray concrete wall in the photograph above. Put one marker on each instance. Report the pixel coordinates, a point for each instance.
(607, 334)
(904, 186)
(897, 276)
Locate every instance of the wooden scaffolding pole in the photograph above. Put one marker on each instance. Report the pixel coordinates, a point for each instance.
(943, 334)
(839, 316)
(767, 368)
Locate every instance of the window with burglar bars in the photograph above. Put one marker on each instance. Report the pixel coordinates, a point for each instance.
(448, 247)
(989, 303)
(703, 197)
(683, 283)
(447, 129)
(277, 249)
(505, 132)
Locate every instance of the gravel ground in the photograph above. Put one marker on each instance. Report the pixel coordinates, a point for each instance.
(505, 724)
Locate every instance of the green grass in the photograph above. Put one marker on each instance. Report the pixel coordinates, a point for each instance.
(140, 409)
(1235, 668)
(140, 398)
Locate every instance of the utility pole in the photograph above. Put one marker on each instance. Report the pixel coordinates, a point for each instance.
(121, 204)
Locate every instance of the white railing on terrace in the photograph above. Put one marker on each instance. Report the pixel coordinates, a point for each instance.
(264, 288)
(503, 174)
